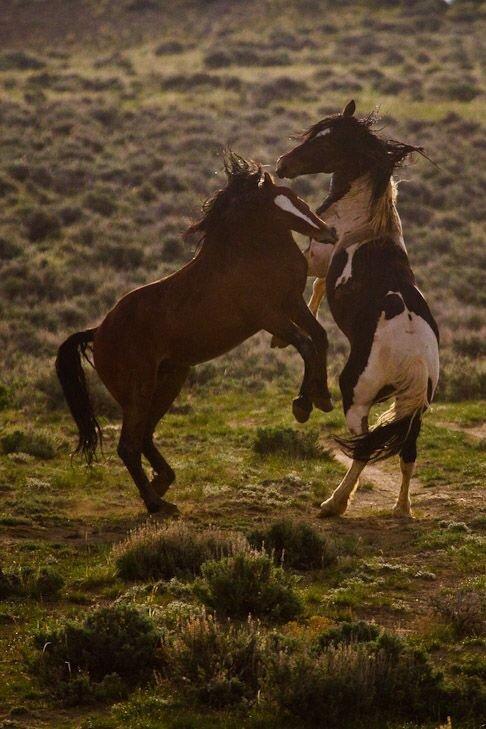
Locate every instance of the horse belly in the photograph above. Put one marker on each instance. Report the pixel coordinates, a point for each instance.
(398, 342)
(209, 340)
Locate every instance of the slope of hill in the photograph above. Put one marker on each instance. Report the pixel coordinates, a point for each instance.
(113, 117)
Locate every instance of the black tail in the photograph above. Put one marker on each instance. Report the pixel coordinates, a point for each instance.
(382, 442)
(73, 382)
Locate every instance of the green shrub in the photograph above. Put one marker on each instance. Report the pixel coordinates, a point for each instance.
(347, 681)
(45, 582)
(5, 396)
(101, 202)
(348, 632)
(19, 61)
(296, 545)
(248, 584)
(155, 552)
(42, 224)
(81, 690)
(462, 379)
(216, 663)
(287, 441)
(34, 443)
(78, 658)
(464, 609)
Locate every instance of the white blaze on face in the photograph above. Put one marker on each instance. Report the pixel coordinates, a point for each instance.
(324, 133)
(284, 203)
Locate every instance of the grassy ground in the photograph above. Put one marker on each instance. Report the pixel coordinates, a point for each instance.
(113, 116)
(58, 513)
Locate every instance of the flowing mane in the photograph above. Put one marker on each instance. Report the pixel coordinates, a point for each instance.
(243, 178)
(374, 155)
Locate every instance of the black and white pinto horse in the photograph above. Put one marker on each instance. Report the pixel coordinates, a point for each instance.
(372, 295)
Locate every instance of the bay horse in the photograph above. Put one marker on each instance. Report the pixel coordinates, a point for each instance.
(248, 275)
(372, 295)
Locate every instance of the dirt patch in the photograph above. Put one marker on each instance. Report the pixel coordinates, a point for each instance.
(475, 431)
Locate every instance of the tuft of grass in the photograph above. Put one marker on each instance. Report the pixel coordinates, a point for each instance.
(215, 663)
(358, 631)
(345, 682)
(248, 584)
(45, 582)
(297, 545)
(287, 441)
(111, 650)
(464, 609)
(155, 552)
(34, 443)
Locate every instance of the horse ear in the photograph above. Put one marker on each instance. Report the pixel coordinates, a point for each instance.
(350, 108)
(265, 180)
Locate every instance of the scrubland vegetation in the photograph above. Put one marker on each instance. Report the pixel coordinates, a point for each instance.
(248, 611)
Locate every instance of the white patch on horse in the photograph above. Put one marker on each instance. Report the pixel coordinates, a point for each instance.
(353, 210)
(347, 270)
(284, 203)
(404, 354)
(324, 133)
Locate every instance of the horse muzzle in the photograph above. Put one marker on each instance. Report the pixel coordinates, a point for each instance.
(326, 235)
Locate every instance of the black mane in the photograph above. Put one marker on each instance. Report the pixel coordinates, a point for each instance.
(244, 177)
(368, 150)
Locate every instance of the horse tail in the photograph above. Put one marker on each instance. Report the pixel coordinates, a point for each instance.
(387, 437)
(74, 386)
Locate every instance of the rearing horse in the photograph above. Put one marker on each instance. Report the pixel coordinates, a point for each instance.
(248, 275)
(372, 295)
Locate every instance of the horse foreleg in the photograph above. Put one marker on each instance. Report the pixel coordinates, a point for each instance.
(318, 334)
(288, 331)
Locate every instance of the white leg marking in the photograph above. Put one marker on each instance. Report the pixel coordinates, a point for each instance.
(402, 508)
(337, 504)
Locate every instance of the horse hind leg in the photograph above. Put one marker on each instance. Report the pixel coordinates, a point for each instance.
(408, 457)
(337, 503)
(130, 451)
(169, 384)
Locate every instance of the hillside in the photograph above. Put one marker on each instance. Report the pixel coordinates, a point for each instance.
(113, 117)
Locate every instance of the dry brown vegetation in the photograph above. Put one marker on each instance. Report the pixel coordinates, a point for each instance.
(108, 152)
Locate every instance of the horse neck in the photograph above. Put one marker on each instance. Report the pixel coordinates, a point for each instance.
(255, 240)
(356, 211)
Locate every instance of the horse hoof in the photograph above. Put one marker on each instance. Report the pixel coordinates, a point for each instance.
(330, 508)
(160, 484)
(301, 410)
(400, 513)
(154, 506)
(169, 509)
(323, 403)
(164, 508)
